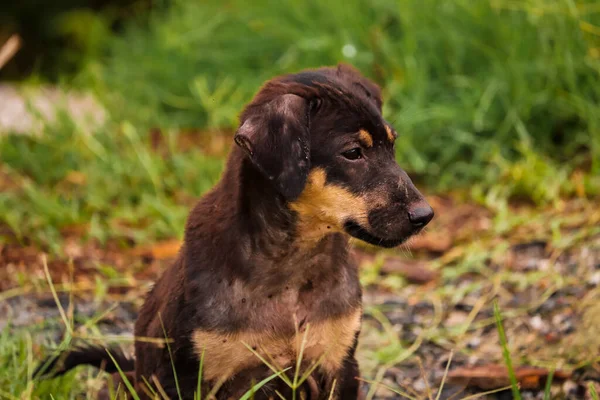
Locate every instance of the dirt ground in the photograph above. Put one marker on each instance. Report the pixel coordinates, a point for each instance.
(424, 303)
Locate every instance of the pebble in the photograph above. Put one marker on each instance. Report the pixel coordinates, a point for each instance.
(383, 392)
(538, 324)
(419, 385)
(456, 318)
(595, 279)
(570, 388)
(474, 342)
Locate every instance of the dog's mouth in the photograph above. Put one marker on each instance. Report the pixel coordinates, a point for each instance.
(355, 230)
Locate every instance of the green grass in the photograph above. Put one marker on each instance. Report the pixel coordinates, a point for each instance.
(497, 97)
(128, 384)
(471, 86)
(107, 185)
(548, 387)
(506, 353)
(17, 365)
(593, 392)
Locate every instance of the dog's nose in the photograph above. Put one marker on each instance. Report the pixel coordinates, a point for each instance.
(420, 216)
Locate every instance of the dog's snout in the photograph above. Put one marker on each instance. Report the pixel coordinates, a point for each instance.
(420, 215)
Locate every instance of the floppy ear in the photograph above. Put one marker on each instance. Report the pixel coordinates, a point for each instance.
(275, 136)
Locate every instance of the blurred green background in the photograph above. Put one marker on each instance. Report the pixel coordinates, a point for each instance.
(498, 100)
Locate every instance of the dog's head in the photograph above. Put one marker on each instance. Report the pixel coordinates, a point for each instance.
(319, 137)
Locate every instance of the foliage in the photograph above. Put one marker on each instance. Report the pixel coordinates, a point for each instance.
(498, 97)
(107, 184)
(466, 83)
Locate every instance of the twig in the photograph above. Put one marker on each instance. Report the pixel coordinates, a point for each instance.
(9, 49)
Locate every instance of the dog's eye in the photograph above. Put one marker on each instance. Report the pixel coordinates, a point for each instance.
(353, 154)
(315, 105)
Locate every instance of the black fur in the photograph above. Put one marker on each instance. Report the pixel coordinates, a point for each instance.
(95, 356)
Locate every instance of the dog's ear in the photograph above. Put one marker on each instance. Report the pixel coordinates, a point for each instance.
(275, 135)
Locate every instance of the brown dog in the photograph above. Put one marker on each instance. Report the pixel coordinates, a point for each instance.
(265, 268)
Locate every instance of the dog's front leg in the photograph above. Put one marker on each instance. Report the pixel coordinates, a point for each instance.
(349, 385)
(347, 378)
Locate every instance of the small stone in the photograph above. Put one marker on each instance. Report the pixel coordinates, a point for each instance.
(557, 319)
(544, 265)
(419, 385)
(570, 388)
(456, 318)
(383, 392)
(595, 279)
(538, 324)
(474, 342)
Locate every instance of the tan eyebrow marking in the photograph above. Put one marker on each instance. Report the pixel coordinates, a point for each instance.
(390, 135)
(366, 138)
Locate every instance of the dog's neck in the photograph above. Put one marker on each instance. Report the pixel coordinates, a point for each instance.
(273, 230)
(260, 229)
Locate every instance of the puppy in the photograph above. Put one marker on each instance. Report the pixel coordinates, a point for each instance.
(265, 273)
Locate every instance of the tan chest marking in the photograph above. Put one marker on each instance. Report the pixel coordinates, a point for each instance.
(327, 341)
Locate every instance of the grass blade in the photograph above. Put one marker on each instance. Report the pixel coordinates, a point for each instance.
(299, 359)
(61, 310)
(153, 393)
(332, 390)
(260, 384)
(280, 395)
(593, 391)
(439, 393)
(424, 377)
(198, 394)
(312, 368)
(159, 388)
(171, 357)
(548, 385)
(124, 377)
(506, 353)
(271, 367)
(391, 389)
(478, 395)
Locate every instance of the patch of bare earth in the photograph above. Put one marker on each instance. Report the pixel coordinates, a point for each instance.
(424, 304)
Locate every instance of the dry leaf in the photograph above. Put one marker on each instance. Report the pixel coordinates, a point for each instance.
(160, 250)
(495, 376)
